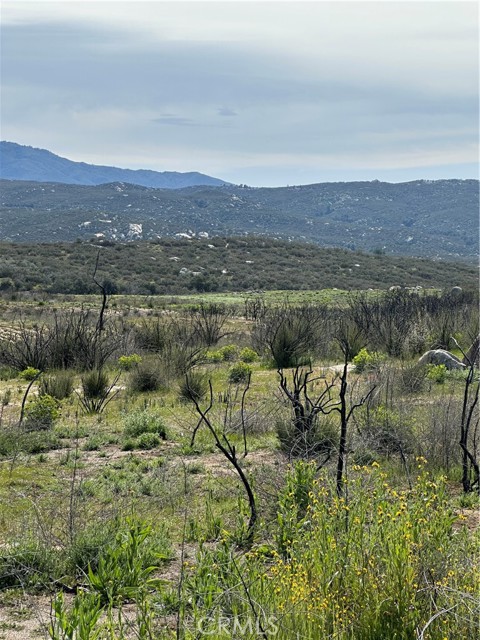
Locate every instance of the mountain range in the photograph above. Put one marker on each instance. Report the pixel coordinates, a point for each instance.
(435, 219)
(19, 162)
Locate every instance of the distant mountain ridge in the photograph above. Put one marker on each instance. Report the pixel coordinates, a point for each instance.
(436, 219)
(20, 162)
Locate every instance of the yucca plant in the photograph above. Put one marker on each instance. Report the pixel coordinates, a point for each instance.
(97, 390)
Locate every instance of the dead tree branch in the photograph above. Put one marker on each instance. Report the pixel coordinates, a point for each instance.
(229, 451)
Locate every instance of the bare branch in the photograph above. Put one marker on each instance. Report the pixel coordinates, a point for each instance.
(229, 451)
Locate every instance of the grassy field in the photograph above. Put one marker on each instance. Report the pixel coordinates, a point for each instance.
(125, 509)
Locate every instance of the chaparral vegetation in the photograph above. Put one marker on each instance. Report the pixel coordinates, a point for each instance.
(262, 465)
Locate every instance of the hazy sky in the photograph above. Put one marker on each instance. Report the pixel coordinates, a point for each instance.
(262, 93)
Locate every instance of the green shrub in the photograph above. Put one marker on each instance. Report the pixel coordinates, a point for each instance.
(147, 441)
(15, 439)
(92, 444)
(95, 384)
(127, 363)
(229, 352)
(86, 546)
(321, 439)
(126, 565)
(248, 355)
(293, 502)
(193, 387)
(437, 373)
(214, 357)
(38, 442)
(7, 373)
(145, 377)
(144, 421)
(365, 361)
(28, 564)
(41, 413)
(59, 385)
(289, 347)
(97, 391)
(29, 374)
(5, 398)
(291, 334)
(78, 620)
(240, 372)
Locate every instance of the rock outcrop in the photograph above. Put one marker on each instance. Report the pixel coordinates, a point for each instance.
(440, 356)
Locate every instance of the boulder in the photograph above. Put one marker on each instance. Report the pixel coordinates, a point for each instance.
(440, 356)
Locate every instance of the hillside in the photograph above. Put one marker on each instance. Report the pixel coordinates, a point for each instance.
(19, 162)
(437, 219)
(179, 266)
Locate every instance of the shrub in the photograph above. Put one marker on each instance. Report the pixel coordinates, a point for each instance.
(240, 372)
(385, 430)
(229, 352)
(126, 565)
(248, 355)
(412, 378)
(293, 503)
(148, 441)
(27, 564)
(79, 620)
(319, 440)
(145, 377)
(291, 334)
(193, 387)
(71, 339)
(87, 545)
(59, 385)
(129, 444)
(437, 373)
(289, 346)
(29, 374)
(144, 421)
(41, 413)
(208, 321)
(5, 397)
(127, 363)
(214, 356)
(14, 440)
(96, 391)
(7, 373)
(94, 384)
(365, 361)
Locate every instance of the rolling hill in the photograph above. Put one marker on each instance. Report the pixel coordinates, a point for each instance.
(436, 219)
(234, 264)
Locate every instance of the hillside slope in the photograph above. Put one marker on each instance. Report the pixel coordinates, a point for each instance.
(423, 218)
(176, 266)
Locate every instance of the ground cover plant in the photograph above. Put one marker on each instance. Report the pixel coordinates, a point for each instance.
(291, 471)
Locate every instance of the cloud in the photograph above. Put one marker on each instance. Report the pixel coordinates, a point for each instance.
(300, 84)
(176, 121)
(227, 112)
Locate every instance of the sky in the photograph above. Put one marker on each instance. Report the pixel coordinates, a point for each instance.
(267, 93)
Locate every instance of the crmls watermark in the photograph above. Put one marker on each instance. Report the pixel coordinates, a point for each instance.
(238, 627)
